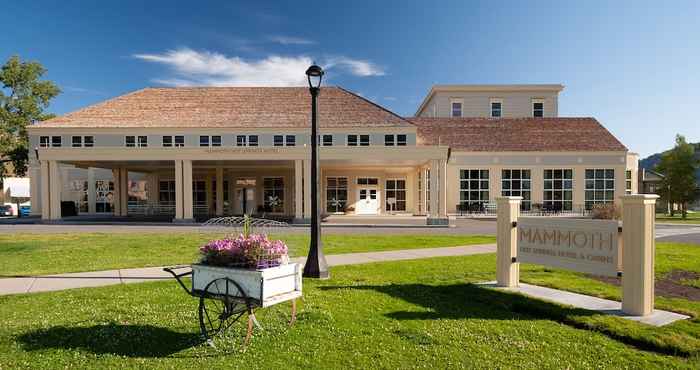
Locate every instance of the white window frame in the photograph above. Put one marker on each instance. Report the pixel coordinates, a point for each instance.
(79, 144)
(323, 139)
(389, 140)
(396, 190)
(92, 141)
(359, 140)
(276, 191)
(594, 194)
(500, 111)
(461, 107)
(142, 143)
(163, 144)
(175, 141)
(126, 141)
(243, 142)
(334, 190)
(43, 144)
(536, 101)
(274, 140)
(522, 190)
(250, 141)
(290, 140)
(207, 139)
(60, 141)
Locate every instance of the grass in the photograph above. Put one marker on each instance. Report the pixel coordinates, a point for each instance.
(692, 218)
(34, 254)
(409, 314)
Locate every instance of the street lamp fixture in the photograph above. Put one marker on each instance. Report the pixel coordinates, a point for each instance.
(316, 266)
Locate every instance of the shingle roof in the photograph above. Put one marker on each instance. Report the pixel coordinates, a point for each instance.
(230, 107)
(516, 134)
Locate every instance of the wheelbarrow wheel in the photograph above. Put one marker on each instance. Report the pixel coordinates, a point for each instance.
(221, 305)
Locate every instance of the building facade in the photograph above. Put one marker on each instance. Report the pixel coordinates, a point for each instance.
(186, 153)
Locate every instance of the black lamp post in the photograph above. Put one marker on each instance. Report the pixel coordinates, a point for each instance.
(315, 266)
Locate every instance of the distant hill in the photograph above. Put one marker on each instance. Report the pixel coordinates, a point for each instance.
(651, 161)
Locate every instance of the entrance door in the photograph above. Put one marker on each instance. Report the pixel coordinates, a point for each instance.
(368, 201)
(245, 201)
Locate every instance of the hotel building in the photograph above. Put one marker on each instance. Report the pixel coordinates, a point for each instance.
(195, 153)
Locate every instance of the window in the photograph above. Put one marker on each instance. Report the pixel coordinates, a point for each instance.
(352, 140)
(401, 140)
(77, 141)
(628, 182)
(241, 140)
(130, 141)
(82, 141)
(56, 141)
(395, 195)
(166, 193)
(204, 141)
(558, 189)
(538, 108)
(516, 183)
(44, 141)
(88, 141)
(364, 140)
(142, 141)
(336, 194)
(273, 194)
(291, 140)
(327, 140)
(367, 181)
(473, 189)
(427, 190)
(216, 140)
(278, 140)
(252, 140)
(133, 141)
(389, 140)
(456, 108)
(600, 186)
(179, 141)
(496, 108)
(213, 192)
(167, 141)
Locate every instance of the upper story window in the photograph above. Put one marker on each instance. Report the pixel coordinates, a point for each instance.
(170, 141)
(395, 140)
(456, 108)
(284, 140)
(136, 141)
(205, 140)
(358, 140)
(50, 141)
(327, 140)
(247, 140)
(352, 140)
(496, 108)
(82, 141)
(538, 108)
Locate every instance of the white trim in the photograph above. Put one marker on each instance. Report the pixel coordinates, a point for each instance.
(534, 101)
(459, 101)
(495, 100)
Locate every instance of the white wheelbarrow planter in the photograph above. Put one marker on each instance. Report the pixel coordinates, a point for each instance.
(267, 286)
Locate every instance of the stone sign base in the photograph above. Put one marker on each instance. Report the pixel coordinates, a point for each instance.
(605, 306)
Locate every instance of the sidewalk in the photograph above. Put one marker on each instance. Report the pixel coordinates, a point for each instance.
(46, 283)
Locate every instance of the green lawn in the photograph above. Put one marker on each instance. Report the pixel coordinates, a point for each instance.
(409, 314)
(33, 254)
(692, 218)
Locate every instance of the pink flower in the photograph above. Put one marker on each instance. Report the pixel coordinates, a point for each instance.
(255, 251)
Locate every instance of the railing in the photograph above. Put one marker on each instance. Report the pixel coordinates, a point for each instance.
(488, 209)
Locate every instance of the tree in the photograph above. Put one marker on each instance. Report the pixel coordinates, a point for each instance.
(678, 166)
(23, 98)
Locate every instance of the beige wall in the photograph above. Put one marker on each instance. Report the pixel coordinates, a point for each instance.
(477, 103)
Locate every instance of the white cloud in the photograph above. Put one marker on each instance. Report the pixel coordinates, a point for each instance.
(290, 40)
(205, 68)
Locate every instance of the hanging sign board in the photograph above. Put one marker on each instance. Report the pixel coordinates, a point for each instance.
(589, 246)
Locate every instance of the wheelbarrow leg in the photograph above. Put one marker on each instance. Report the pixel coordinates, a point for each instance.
(251, 320)
(294, 312)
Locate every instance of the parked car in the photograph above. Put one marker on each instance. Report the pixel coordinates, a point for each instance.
(6, 210)
(25, 210)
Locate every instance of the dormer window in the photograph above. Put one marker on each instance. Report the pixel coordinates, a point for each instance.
(538, 108)
(456, 106)
(496, 108)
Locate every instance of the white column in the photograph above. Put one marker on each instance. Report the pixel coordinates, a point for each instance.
(178, 190)
(188, 203)
(507, 270)
(55, 190)
(91, 191)
(45, 190)
(35, 189)
(434, 187)
(442, 194)
(116, 194)
(638, 240)
(219, 191)
(124, 190)
(298, 190)
(307, 189)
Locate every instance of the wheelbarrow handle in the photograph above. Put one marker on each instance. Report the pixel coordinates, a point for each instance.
(178, 277)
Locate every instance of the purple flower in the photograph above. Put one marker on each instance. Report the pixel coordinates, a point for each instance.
(254, 251)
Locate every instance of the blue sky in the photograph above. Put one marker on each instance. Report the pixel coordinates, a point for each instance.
(633, 65)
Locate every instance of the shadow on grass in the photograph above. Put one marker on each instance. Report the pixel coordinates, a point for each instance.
(465, 301)
(116, 339)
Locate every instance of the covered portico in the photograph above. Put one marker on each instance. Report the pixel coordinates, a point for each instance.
(190, 183)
